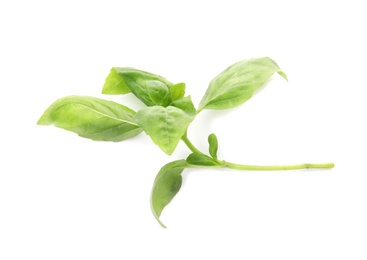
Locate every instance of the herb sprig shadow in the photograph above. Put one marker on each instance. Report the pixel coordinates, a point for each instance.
(165, 119)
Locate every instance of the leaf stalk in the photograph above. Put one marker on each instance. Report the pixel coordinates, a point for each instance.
(190, 145)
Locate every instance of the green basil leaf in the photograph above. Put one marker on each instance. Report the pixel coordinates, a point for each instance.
(237, 83)
(213, 145)
(177, 91)
(159, 93)
(165, 125)
(93, 118)
(115, 84)
(137, 81)
(201, 159)
(166, 185)
(185, 104)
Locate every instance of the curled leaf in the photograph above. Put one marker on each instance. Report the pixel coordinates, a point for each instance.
(166, 185)
(159, 93)
(125, 80)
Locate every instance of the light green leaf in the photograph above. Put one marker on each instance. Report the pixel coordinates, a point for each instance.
(137, 81)
(114, 84)
(177, 91)
(201, 159)
(93, 118)
(237, 83)
(185, 104)
(213, 145)
(165, 125)
(166, 185)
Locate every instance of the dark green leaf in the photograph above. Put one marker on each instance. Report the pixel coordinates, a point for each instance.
(93, 118)
(237, 83)
(165, 125)
(166, 185)
(185, 104)
(201, 159)
(137, 81)
(213, 145)
(177, 91)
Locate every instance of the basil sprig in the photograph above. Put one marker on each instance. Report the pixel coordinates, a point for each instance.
(166, 117)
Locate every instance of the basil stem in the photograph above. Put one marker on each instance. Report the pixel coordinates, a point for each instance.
(244, 167)
(277, 167)
(189, 144)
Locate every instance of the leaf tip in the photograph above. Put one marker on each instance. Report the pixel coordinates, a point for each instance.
(156, 215)
(104, 91)
(167, 150)
(114, 84)
(284, 76)
(43, 120)
(160, 223)
(212, 135)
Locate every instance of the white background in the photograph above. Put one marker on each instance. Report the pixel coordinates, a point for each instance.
(65, 197)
